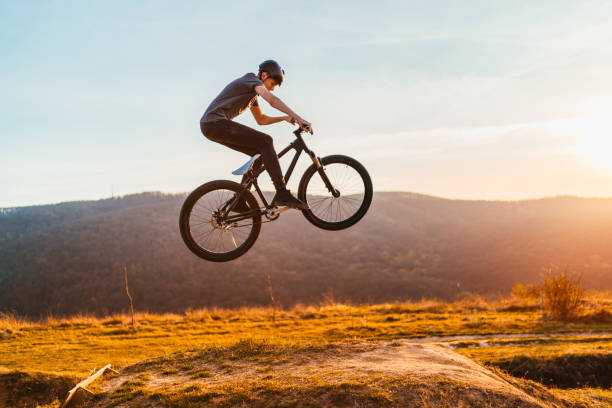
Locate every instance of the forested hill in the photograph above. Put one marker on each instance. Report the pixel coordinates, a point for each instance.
(68, 258)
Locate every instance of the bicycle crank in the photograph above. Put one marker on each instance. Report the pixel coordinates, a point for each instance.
(275, 212)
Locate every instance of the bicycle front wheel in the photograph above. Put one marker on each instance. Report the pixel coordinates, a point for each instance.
(213, 233)
(349, 199)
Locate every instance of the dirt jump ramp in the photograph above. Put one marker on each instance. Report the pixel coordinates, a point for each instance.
(372, 374)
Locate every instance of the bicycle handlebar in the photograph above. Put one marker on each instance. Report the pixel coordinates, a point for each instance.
(301, 129)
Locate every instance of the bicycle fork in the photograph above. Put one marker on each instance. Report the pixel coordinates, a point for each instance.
(321, 170)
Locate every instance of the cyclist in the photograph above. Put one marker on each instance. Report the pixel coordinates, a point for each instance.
(217, 125)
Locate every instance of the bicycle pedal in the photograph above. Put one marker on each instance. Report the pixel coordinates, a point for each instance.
(276, 210)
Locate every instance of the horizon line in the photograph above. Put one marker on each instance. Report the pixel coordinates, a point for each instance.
(558, 196)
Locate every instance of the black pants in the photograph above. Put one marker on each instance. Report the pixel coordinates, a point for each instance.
(248, 141)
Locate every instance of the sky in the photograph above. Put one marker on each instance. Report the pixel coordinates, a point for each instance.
(493, 100)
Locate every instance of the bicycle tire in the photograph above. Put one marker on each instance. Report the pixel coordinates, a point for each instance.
(185, 225)
(340, 223)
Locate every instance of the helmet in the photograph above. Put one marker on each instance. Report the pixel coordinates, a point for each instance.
(273, 69)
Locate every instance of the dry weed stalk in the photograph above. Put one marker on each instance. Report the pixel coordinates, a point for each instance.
(271, 296)
(127, 291)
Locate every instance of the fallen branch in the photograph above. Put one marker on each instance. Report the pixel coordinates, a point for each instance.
(80, 390)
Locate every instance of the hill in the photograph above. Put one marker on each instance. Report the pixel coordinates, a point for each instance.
(67, 258)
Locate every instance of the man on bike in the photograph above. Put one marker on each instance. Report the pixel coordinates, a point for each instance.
(217, 125)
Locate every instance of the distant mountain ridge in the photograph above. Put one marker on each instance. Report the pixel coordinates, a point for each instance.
(21, 220)
(68, 258)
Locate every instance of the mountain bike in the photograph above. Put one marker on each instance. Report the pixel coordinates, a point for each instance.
(221, 219)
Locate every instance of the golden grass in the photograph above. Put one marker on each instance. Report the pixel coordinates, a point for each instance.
(470, 302)
(12, 322)
(227, 338)
(76, 344)
(544, 350)
(72, 346)
(365, 391)
(587, 397)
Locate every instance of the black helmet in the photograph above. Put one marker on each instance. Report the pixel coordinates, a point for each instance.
(273, 69)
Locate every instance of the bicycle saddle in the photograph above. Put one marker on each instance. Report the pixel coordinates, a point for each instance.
(246, 166)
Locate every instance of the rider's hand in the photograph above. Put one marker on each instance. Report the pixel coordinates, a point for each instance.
(289, 119)
(307, 126)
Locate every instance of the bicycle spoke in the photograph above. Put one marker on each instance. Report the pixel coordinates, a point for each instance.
(218, 240)
(208, 227)
(233, 239)
(344, 179)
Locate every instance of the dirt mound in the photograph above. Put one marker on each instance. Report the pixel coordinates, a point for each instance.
(434, 362)
(19, 389)
(385, 374)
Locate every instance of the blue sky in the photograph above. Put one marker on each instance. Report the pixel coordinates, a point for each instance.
(474, 99)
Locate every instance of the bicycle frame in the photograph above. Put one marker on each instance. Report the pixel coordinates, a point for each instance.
(251, 180)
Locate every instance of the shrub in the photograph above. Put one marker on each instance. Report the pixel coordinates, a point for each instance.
(526, 292)
(562, 294)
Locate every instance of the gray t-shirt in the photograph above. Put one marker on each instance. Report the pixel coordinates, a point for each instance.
(233, 99)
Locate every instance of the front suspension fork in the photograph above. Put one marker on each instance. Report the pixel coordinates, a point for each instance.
(321, 171)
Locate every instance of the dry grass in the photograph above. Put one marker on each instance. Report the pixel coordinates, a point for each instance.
(74, 345)
(364, 391)
(11, 322)
(593, 301)
(585, 397)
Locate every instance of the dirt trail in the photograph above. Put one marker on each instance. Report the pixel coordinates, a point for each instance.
(536, 337)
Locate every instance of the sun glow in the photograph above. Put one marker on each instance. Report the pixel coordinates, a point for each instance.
(594, 139)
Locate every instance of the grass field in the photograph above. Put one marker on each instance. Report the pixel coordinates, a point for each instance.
(489, 332)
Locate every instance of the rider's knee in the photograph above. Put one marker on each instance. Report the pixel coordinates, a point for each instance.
(268, 141)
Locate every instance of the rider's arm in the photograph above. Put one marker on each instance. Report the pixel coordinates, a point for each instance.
(262, 119)
(276, 103)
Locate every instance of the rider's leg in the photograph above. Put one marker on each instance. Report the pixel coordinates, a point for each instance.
(257, 164)
(249, 141)
(244, 139)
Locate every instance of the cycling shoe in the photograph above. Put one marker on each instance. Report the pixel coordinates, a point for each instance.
(283, 198)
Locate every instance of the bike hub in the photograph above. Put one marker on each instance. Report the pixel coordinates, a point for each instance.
(217, 221)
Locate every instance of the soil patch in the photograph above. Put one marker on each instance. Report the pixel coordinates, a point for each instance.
(25, 390)
(568, 371)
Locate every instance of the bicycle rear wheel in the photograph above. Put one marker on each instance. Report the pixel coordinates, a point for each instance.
(353, 192)
(213, 233)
